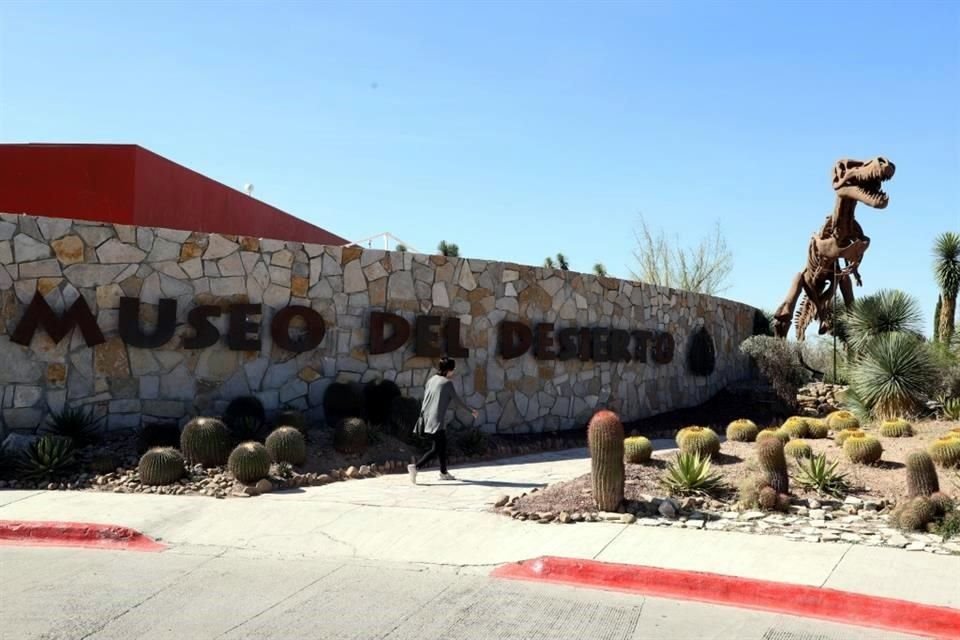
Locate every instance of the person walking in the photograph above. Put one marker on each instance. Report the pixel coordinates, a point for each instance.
(438, 395)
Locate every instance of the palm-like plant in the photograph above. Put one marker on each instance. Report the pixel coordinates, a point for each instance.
(549, 263)
(562, 262)
(946, 269)
(448, 249)
(894, 375)
(881, 313)
(599, 269)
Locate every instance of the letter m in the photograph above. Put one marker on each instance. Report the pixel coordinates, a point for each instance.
(40, 315)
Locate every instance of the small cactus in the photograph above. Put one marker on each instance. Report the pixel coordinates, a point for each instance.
(896, 429)
(841, 436)
(798, 449)
(819, 428)
(839, 420)
(351, 436)
(680, 434)
(767, 498)
(945, 451)
(205, 441)
(783, 502)
(774, 463)
(742, 431)
(776, 434)
(292, 418)
(605, 438)
(286, 444)
(249, 462)
(911, 518)
(637, 450)
(921, 475)
(700, 441)
(862, 449)
(942, 504)
(796, 427)
(924, 508)
(161, 466)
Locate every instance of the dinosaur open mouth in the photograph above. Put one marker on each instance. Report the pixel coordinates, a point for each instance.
(870, 188)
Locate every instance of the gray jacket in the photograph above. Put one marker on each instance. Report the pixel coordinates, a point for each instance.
(438, 395)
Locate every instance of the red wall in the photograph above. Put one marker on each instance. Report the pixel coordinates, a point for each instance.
(127, 184)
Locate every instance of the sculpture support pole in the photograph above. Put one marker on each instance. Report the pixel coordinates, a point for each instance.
(834, 322)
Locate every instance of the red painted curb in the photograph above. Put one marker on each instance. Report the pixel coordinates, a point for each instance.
(778, 597)
(75, 534)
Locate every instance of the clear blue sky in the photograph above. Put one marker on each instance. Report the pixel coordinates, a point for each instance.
(521, 129)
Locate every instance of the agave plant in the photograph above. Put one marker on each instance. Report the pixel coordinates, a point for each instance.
(48, 457)
(822, 476)
(885, 312)
(77, 424)
(688, 473)
(893, 376)
(950, 406)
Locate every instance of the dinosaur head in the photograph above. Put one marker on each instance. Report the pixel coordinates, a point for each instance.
(861, 181)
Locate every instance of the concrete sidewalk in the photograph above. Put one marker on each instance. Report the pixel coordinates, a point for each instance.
(446, 523)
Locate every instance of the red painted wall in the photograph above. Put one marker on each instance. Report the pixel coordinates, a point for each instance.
(128, 184)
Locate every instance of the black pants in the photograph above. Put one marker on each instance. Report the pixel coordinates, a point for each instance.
(438, 449)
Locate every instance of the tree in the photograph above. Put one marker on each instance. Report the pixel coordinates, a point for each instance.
(936, 319)
(946, 268)
(562, 262)
(549, 263)
(599, 269)
(401, 247)
(448, 249)
(702, 269)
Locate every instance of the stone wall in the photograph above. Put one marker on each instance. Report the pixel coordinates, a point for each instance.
(65, 259)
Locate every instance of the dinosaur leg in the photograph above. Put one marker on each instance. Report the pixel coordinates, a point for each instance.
(846, 290)
(784, 313)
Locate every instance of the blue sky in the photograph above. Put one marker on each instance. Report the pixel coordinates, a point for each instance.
(518, 130)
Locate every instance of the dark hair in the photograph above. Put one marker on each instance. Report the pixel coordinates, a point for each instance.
(446, 365)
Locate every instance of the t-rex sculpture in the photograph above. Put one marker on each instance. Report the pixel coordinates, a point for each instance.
(839, 237)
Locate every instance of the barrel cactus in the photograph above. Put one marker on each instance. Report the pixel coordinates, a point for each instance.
(605, 438)
(205, 441)
(637, 450)
(896, 429)
(700, 441)
(774, 463)
(921, 475)
(351, 436)
(767, 498)
(246, 419)
(818, 428)
(292, 418)
(798, 449)
(841, 436)
(680, 434)
(780, 436)
(249, 462)
(942, 504)
(839, 420)
(862, 448)
(945, 451)
(161, 466)
(286, 444)
(915, 514)
(742, 431)
(796, 427)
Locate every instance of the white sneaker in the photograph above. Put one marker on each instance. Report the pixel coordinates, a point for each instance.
(412, 470)
(446, 476)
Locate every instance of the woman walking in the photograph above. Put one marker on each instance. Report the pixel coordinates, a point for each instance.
(438, 395)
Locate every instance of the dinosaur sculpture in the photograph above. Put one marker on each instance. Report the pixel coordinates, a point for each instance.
(840, 237)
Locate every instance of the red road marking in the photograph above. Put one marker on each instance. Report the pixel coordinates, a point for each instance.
(75, 534)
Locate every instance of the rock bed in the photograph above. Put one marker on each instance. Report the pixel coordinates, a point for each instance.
(853, 521)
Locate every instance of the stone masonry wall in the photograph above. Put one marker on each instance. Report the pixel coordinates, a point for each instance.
(64, 259)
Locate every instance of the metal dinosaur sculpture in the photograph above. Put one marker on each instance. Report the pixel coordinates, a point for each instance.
(840, 237)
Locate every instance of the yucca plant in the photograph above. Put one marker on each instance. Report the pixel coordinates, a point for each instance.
(946, 269)
(78, 424)
(893, 375)
(817, 474)
(48, 457)
(688, 473)
(882, 313)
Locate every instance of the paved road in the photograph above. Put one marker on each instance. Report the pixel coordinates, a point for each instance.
(197, 593)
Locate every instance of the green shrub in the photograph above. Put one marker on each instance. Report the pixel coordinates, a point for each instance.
(342, 400)
(819, 428)
(605, 439)
(742, 431)
(774, 463)
(161, 466)
(77, 424)
(921, 475)
(378, 397)
(862, 449)
(49, 456)
(158, 434)
(701, 441)
(779, 362)
(637, 450)
(689, 473)
(286, 444)
(249, 462)
(205, 441)
(798, 449)
(352, 436)
(950, 526)
(842, 420)
(821, 476)
(898, 428)
(796, 427)
(246, 419)
(945, 451)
